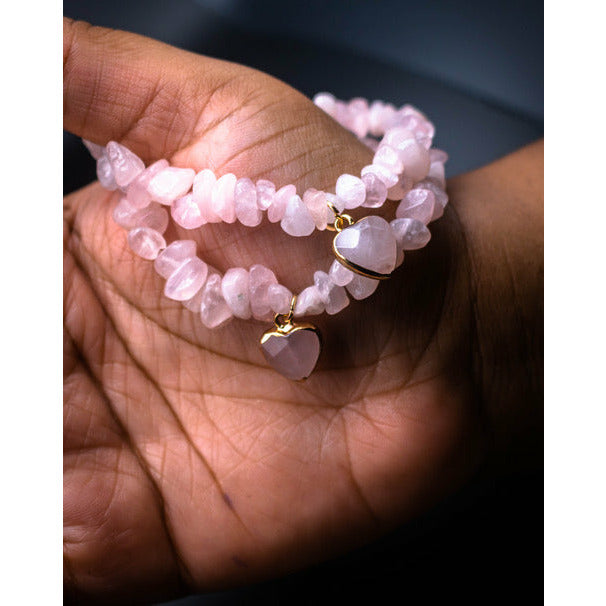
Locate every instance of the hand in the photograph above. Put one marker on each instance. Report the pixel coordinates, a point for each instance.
(190, 465)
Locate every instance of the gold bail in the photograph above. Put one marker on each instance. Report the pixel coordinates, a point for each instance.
(284, 322)
(340, 219)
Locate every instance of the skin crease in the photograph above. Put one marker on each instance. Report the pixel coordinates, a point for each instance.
(188, 464)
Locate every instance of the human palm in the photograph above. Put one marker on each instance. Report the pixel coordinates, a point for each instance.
(189, 464)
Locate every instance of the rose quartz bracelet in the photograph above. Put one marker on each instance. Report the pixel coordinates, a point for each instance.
(405, 168)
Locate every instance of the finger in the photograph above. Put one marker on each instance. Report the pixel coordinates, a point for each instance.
(143, 93)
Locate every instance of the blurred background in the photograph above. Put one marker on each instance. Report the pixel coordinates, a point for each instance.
(476, 68)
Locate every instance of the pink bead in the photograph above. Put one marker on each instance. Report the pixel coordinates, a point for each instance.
(333, 296)
(417, 204)
(170, 184)
(399, 190)
(350, 190)
(297, 220)
(380, 171)
(186, 212)
(276, 211)
(315, 201)
(195, 303)
(440, 195)
(146, 242)
(326, 102)
(105, 174)
(358, 116)
(361, 287)
(339, 274)
(397, 136)
(96, 151)
(309, 302)
(266, 191)
(202, 191)
(260, 278)
(375, 115)
(136, 192)
(186, 280)
(173, 256)
(437, 155)
(236, 291)
(279, 298)
(376, 190)
(214, 311)
(416, 160)
(247, 211)
(153, 216)
(223, 194)
(436, 172)
(410, 233)
(388, 157)
(125, 165)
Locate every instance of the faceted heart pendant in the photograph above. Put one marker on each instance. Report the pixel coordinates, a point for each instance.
(368, 247)
(292, 349)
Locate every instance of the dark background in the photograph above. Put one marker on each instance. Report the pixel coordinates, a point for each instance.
(476, 69)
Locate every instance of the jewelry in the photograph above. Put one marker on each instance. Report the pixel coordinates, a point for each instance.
(405, 168)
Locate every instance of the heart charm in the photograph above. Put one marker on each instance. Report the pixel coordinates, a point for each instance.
(292, 349)
(368, 247)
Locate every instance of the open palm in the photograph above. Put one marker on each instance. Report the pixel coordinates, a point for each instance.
(189, 464)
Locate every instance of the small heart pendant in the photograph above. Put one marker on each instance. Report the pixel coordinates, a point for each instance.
(292, 349)
(368, 247)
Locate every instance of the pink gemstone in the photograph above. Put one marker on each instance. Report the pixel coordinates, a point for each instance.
(186, 212)
(170, 184)
(223, 198)
(410, 234)
(146, 242)
(125, 165)
(276, 211)
(361, 287)
(260, 278)
(339, 274)
(105, 174)
(351, 190)
(173, 256)
(247, 211)
(397, 136)
(236, 291)
(136, 192)
(388, 157)
(399, 190)
(214, 311)
(315, 201)
(436, 172)
(380, 171)
(279, 298)
(417, 204)
(439, 193)
(186, 280)
(152, 216)
(293, 355)
(96, 151)
(375, 114)
(297, 220)
(437, 155)
(266, 191)
(202, 191)
(334, 297)
(309, 302)
(326, 102)
(415, 158)
(369, 243)
(376, 190)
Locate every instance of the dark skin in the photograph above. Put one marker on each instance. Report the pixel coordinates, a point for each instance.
(191, 466)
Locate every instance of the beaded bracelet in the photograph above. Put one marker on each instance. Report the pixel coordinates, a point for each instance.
(405, 168)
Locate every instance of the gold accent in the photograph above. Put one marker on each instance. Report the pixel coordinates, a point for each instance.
(340, 219)
(357, 269)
